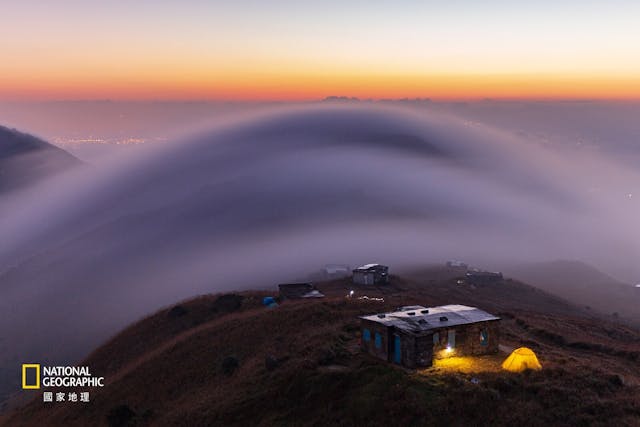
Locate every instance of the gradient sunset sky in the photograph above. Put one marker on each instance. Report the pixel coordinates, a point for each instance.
(298, 50)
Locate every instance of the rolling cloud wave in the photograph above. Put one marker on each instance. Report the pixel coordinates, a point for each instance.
(276, 195)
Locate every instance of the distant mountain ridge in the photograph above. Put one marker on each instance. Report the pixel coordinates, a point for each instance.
(581, 284)
(26, 159)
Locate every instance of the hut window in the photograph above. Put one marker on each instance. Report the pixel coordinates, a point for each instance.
(436, 338)
(484, 337)
(378, 340)
(366, 335)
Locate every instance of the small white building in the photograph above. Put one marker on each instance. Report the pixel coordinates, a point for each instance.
(453, 263)
(371, 274)
(336, 271)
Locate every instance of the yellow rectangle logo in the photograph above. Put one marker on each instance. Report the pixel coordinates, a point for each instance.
(31, 385)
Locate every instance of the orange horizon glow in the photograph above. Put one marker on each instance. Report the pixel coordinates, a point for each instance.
(293, 51)
(307, 87)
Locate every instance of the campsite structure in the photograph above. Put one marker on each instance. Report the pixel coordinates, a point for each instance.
(452, 263)
(413, 336)
(298, 291)
(371, 274)
(479, 277)
(521, 359)
(336, 271)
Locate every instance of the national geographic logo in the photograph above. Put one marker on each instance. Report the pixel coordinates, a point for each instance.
(31, 376)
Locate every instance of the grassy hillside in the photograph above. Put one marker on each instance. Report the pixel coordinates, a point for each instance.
(584, 285)
(226, 360)
(25, 159)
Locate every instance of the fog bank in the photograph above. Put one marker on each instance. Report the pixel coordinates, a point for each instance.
(275, 195)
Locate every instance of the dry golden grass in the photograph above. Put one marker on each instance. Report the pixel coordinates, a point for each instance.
(299, 364)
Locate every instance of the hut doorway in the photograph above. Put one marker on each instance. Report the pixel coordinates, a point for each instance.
(397, 349)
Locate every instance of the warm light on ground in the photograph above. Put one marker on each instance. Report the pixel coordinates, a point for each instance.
(467, 364)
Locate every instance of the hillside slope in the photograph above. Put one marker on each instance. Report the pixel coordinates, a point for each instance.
(582, 284)
(227, 360)
(25, 159)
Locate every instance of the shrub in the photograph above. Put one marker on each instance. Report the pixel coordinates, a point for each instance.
(229, 365)
(177, 311)
(227, 303)
(121, 416)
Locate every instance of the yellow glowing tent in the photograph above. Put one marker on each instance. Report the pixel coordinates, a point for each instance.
(521, 359)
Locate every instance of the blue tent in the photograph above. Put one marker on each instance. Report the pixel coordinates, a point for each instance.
(269, 302)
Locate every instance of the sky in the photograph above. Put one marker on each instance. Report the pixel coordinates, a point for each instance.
(302, 50)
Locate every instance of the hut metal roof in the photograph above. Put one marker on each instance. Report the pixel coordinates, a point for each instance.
(418, 321)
